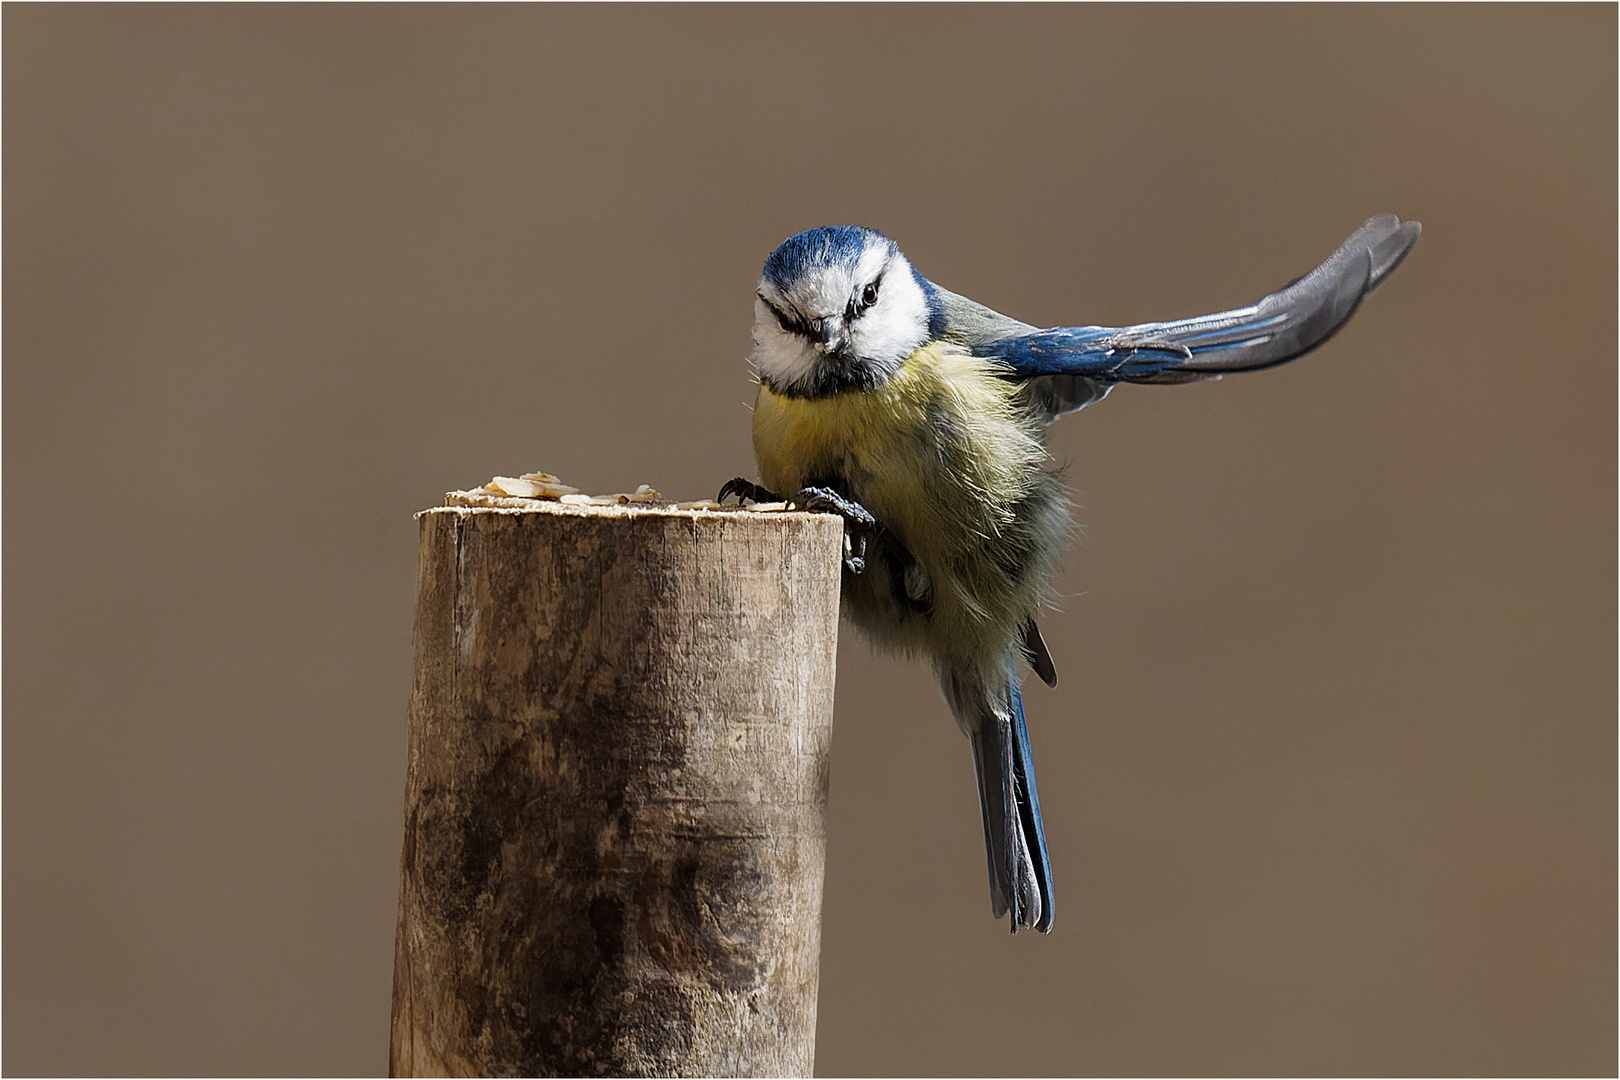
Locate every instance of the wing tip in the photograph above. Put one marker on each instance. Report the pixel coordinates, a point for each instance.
(1392, 250)
(1039, 657)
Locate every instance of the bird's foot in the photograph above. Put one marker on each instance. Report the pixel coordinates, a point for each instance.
(859, 524)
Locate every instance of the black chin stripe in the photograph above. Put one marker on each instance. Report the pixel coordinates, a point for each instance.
(834, 375)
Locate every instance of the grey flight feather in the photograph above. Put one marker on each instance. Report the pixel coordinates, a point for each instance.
(1287, 323)
(1069, 367)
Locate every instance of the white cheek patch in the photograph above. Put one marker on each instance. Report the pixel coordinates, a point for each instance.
(780, 357)
(892, 329)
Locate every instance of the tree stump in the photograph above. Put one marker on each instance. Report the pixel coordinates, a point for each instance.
(614, 839)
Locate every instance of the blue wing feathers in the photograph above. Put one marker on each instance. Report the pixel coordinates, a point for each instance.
(1282, 326)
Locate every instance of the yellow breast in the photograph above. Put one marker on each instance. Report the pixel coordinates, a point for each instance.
(943, 444)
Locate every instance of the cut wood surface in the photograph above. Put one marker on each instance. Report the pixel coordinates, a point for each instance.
(615, 792)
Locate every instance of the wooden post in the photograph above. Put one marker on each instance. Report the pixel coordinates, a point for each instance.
(614, 835)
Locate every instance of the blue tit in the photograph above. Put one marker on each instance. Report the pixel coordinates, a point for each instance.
(919, 416)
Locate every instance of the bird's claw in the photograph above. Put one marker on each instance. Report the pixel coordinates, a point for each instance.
(859, 524)
(746, 489)
(855, 552)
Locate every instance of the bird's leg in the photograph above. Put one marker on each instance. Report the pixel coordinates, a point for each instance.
(859, 524)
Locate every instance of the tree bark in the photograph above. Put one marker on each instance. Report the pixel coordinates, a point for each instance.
(617, 774)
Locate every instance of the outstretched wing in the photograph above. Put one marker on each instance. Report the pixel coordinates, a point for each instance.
(1285, 325)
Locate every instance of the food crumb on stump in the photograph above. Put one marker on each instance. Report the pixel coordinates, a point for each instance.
(518, 492)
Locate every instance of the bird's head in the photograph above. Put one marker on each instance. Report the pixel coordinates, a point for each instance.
(838, 308)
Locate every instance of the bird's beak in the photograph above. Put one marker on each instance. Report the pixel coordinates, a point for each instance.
(830, 329)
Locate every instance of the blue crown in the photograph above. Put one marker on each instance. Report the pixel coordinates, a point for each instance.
(814, 249)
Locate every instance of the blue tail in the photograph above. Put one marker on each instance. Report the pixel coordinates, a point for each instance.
(1029, 807)
(1014, 839)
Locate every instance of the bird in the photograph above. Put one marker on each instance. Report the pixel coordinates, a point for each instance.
(919, 417)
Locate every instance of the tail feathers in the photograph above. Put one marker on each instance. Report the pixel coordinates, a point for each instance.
(1014, 840)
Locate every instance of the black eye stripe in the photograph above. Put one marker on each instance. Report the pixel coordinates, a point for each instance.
(788, 322)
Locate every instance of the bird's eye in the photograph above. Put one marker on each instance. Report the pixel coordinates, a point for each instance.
(869, 295)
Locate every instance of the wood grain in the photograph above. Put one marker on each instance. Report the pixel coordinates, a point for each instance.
(614, 840)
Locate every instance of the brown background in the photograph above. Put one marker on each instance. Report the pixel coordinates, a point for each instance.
(1330, 777)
